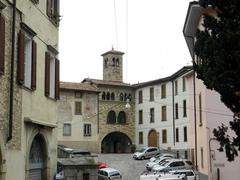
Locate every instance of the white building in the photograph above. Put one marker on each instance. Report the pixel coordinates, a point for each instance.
(210, 113)
(162, 113)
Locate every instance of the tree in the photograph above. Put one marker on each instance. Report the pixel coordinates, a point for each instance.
(217, 47)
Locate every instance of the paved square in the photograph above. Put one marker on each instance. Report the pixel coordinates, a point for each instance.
(129, 168)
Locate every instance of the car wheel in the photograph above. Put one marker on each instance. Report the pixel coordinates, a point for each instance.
(142, 158)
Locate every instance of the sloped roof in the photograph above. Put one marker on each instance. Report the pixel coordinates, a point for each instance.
(113, 52)
(180, 72)
(78, 86)
(105, 82)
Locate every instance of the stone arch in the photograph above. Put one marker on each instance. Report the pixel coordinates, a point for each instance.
(111, 117)
(116, 142)
(122, 118)
(152, 138)
(41, 139)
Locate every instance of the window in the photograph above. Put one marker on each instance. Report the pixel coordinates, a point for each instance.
(185, 134)
(140, 97)
(200, 109)
(108, 96)
(177, 135)
(163, 92)
(2, 43)
(164, 113)
(176, 111)
(202, 163)
(151, 115)
(53, 10)
(121, 98)
(51, 73)
(112, 96)
(122, 117)
(176, 87)
(27, 50)
(87, 130)
(86, 176)
(152, 94)
(140, 138)
(186, 156)
(140, 117)
(117, 62)
(78, 94)
(111, 118)
(184, 108)
(105, 63)
(78, 108)
(66, 129)
(183, 84)
(164, 136)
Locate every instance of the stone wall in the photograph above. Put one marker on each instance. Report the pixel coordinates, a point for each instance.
(15, 143)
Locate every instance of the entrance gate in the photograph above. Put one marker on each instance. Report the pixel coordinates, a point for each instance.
(152, 138)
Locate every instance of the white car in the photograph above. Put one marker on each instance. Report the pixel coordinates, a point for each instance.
(146, 152)
(157, 176)
(162, 156)
(109, 174)
(150, 164)
(173, 164)
(189, 173)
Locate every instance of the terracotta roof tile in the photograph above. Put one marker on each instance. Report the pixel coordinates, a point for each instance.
(78, 86)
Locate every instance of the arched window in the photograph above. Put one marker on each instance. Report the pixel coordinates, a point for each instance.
(112, 96)
(113, 62)
(108, 96)
(121, 97)
(125, 97)
(130, 97)
(105, 63)
(103, 96)
(121, 117)
(111, 118)
(117, 62)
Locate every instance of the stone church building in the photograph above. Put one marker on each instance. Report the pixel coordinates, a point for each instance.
(104, 123)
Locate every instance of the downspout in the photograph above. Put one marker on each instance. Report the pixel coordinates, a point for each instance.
(195, 116)
(12, 74)
(98, 113)
(173, 102)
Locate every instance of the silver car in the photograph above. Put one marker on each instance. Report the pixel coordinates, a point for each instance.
(109, 174)
(173, 164)
(146, 152)
(150, 164)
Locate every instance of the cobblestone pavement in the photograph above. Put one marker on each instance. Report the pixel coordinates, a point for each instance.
(129, 168)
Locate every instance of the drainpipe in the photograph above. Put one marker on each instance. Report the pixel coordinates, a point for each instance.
(173, 101)
(98, 113)
(12, 73)
(195, 117)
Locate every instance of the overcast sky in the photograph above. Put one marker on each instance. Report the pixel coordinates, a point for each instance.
(150, 33)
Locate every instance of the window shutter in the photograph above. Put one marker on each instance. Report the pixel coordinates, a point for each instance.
(57, 65)
(21, 37)
(34, 63)
(49, 8)
(2, 43)
(47, 73)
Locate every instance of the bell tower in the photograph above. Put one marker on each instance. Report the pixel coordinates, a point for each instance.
(113, 66)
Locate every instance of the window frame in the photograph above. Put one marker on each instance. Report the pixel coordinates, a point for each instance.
(185, 136)
(164, 136)
(177, 134)
(176, 87)
(140, 97)
(152, 115)
(164, 113)
(140, 137)
(151, 94)
(70, 129)
(176, 111)
(76, 108)
(184, 108)
(87, 129)
(140, 116)
(163, 91)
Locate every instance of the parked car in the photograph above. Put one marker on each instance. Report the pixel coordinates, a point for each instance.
(109, 174)
(150, 164)
(161, 156)
(146, 152)
(189, 173)
(159, 176)
(173, 164)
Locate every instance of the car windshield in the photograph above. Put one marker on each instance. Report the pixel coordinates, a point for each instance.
(164, 163)
(141, 150)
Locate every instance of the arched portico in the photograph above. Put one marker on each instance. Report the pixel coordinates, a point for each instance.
(116, 142)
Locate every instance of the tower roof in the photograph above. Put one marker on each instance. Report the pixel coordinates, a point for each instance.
(113, 52)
